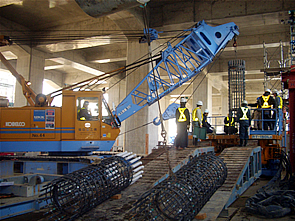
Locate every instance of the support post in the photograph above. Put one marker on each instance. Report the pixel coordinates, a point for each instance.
(289, 83)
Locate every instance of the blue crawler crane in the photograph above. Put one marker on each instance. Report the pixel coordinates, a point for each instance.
(177, 65)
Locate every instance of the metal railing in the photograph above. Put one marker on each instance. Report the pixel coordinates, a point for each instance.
(267, 121)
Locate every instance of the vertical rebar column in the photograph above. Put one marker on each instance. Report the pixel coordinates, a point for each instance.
(236, 85)
(182, 196)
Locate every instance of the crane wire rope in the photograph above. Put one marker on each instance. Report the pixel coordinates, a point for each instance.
(163, 46)
(182, 91)
(163, 131)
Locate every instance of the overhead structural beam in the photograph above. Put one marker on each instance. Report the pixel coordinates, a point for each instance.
(65, 62)
(85, 43)
(105, 7)
(108, 53)
(10, 2)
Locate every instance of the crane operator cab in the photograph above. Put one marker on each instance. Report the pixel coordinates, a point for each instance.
(93, 116)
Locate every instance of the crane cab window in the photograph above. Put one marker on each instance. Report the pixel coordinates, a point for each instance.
(106, 112)
(87, 108)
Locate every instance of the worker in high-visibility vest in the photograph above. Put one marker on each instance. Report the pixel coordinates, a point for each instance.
(197, 118)
(206, 124)
(244, 119)
(266, 102)
(84, 113)
(279, 104)
(183, 123)
(229, 125)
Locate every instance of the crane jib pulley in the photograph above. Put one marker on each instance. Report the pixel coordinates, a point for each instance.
(178, 65)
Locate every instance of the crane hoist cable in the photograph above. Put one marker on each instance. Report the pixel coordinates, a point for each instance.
(163, 131)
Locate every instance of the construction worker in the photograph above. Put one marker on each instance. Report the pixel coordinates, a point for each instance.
(183, 123)
(197, 116)
(206, 124)
(256, 115)
(244, 118)
(266, 102)
(279, 105)
(84, 113)
(229, 125)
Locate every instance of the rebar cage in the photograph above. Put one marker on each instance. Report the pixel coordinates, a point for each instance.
(74, 194)
(182, 196)
(236, 85)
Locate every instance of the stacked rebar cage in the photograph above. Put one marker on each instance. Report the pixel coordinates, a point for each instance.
(182, 196)
(74, 194)
(236, 85)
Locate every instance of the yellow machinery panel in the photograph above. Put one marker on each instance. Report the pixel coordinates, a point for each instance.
(15, 123)
(45, 123)
(30, 123)
(68, 115)
(60, 123)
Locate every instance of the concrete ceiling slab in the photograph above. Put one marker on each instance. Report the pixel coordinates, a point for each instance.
(61, 27)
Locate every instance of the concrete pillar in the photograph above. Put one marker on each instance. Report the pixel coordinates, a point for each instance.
(37, 70)
(22, 67)
(146, 136)
(224, 101)
(202, 91)
(31, 67)
(116, 94)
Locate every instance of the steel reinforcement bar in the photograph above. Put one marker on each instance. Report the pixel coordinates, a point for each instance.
(74, 194)
(182, 196)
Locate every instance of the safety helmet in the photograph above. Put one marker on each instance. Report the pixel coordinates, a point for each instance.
(86, 102)
(268, 90)
(275, 91)
(206, 111)
(245, 102)
(182, 100)
(200, 103)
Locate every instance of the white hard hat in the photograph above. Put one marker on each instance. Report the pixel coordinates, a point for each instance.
(275, 91)
(182, 100)
(268, 90)
(206, 111)
(244, 102)
(199, 103)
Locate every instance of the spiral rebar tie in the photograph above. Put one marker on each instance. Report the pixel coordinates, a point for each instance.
(74, 194)
(183, 196)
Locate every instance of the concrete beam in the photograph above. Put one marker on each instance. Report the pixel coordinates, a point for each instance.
(179, 12)
(83, 34)
(55, 76)
(107, 53)
(10, 2)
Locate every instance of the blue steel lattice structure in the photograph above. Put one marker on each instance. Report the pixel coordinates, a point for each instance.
(178, 65)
